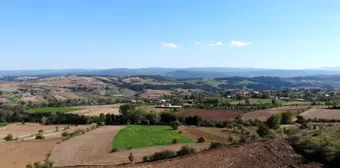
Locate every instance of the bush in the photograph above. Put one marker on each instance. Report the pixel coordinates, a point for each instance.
(215, 145)
(41, 131)
(146, 158)
(263, 130)
(175, 141)
(186, 150)
(167, 154)
(201, 140)
(131, 158)
(65, 134)
(39, 136)
(129, 148)
(174, 125)
(113, 150)
(9, 137)
(180, 132)
(274, 122)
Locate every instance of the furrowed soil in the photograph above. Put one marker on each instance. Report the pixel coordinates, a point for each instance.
(210, 114)
(96, 110)
(19, 129)
(265, 154)
(329, 114)
(265, 114)
(85, 149)
(93, 148)
(17, 154)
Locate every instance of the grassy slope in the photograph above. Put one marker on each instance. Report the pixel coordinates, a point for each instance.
(138, 136)
(52, 109)
(2, 124)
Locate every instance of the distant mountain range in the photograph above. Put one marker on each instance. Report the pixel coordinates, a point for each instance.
(199, 72)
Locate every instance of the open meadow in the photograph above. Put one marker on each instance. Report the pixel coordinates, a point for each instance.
(52, 109)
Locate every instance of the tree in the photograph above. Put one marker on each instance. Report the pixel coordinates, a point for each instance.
(263, 130)
(126, 109)
(153, 117)
(131, 158)
(44, 120)
(102, 117)
(174, 125)
(167, 117)
(137, 116)
(287, 117)
(274, 122)
(9, 137)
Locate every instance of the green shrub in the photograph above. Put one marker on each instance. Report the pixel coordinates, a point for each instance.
(113, 150)
(131, 158)
(215, 145)
(174, 125)
(167, 154)
(201, 140)
(65, 134)
(186, 150)
(129, 148)
(40, 131)
(263, 130)
(274, 122)
(175, 141)
(9, 137)
(146, 158)
(39, 136)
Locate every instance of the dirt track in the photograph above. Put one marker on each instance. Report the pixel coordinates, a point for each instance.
(267, 154)
(19, 154)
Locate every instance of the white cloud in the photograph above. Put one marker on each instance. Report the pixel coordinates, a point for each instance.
(216, 44)
(170, 45)
(198, 43)
(240, 43)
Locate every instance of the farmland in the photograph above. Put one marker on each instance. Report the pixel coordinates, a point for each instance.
(51, 109)
(265, 114)
(138, 136)
(3, 124)
(320, 113)
(210, 114)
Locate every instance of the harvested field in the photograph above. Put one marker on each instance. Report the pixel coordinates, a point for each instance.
(85, 149)
(150, 93)
(17, 154)
(33, 99)
(4, 100)
(20, 130)
(329, 114)
(265, 154)
(211, 114)
(265, 114)
(96, 110)
(70, 95)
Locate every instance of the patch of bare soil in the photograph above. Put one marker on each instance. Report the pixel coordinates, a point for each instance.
(150, 93)
(33, 99)
(85, 149)
(96, 110)
(17, 154)
(19, 129)
(265, 154)
(265, 114)
(4, 100)
(329, 114)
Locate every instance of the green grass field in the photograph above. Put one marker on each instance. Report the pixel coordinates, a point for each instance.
(255, 101)
(15, 99)
(139, 136)
(3, 124)
(52, 109)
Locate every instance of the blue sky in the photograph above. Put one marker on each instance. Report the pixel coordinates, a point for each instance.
(58, 34)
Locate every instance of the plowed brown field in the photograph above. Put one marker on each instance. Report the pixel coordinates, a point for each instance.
(18, 154)
(265, 114)
(266, 154)
(329, 114)
(210, 114)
